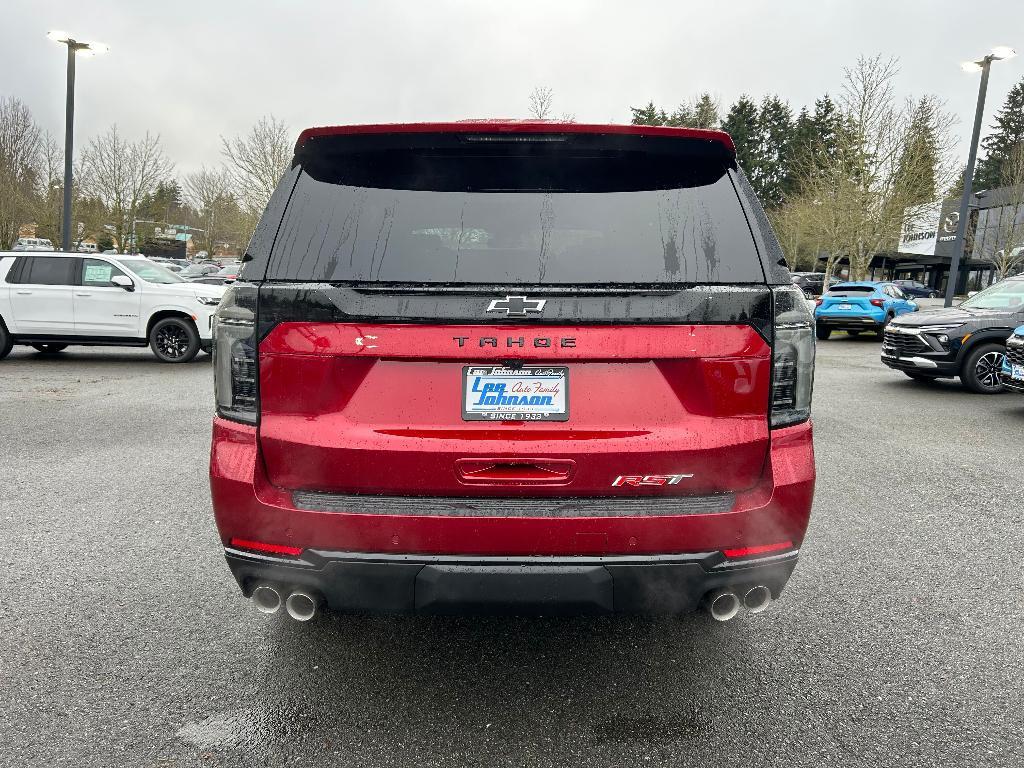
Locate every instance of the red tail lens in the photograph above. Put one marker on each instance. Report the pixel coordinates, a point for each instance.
(759, 550)
(818, 302)
(878, 302)
(261, 546)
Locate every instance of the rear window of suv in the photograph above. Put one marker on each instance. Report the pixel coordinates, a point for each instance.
(565, 210)
(851, 290)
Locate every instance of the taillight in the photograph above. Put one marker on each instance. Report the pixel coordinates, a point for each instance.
(792, 358)
(234, 354)
(818, 302)
(878, 302)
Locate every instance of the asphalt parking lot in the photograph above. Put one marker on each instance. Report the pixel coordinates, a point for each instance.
(125, 642)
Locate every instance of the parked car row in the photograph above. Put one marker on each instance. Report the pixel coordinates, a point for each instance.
(974, 341)
(51, 300)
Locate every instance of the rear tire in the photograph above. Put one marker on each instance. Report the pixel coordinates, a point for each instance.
(933, 295)
(174, 340)
(49, 349)
(6, 342)
(822, 332)
(980, 371)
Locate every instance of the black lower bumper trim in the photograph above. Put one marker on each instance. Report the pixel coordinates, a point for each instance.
(354, 582)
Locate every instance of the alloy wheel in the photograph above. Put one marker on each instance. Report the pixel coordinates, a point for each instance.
(987, 369)
(172, 340)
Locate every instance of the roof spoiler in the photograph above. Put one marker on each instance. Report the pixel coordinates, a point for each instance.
(520, 127)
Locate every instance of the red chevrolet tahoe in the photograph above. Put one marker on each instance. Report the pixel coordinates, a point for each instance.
(513, 367)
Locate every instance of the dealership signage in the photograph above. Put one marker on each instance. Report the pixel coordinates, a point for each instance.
(920, 235)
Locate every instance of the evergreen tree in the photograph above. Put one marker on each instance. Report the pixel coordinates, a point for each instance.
(741, 122)
(682, 117)
(649, 115)
(919, 159)
(827, 125)
(998, 146)
(705, 112)
(775, 124)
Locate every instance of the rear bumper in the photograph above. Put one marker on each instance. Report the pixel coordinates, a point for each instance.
(365, 558)
(868, 322)
(356, 582)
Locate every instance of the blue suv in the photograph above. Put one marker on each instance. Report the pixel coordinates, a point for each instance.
(860, 306)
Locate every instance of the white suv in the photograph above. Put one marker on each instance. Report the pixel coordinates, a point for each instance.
(51, 300)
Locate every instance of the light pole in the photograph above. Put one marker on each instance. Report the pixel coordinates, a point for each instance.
(75, 47)
(981, 65)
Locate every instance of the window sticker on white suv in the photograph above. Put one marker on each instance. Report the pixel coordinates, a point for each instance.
(97, 273)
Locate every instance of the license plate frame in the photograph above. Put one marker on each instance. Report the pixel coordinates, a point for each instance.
(1016, 372)
(546, 376)
(844, 307)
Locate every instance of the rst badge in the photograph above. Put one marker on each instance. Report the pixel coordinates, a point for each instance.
(639, 480)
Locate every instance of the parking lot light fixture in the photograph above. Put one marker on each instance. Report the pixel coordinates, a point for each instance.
(75, 48)
(982, 65)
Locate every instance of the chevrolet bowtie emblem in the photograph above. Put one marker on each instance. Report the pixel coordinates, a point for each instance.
(517, 306)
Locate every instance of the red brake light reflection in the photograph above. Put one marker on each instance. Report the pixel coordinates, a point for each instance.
(260, 546)
(759, 550)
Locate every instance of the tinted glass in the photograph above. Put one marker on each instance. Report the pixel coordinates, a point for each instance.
(338, 232)
(851, 290)
(97, 273)
(45, 270)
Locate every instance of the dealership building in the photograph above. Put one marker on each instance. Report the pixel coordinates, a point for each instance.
(926, 250)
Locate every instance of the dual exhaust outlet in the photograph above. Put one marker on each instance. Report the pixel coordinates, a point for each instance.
(300, 604)
(724, 604)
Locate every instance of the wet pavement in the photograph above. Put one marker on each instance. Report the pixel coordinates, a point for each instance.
(124, 641)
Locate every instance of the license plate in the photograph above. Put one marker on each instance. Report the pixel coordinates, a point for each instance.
(530, 393)
(1017, 372)
(846, 306)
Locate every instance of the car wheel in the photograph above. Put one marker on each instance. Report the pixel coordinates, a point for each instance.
(174, 340)
(933, 295)
(980, 371)
(6, 342)
(49, 349)
(822, 332)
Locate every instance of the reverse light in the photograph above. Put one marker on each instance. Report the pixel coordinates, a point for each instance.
(262, 546)
(758, 550)
(234, 355)
(792, 358)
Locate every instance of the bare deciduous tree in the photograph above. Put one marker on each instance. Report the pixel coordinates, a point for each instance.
(256, 162)
(887, 160)
(541, 100)
(121, 173)
(19, 158)
(209, 193)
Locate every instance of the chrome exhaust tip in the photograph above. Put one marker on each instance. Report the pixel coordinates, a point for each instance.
(301, 605)
(757, 599)
(722, 604)
(266, 598)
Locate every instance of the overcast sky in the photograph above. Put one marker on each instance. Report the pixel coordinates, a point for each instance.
(193, 71)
